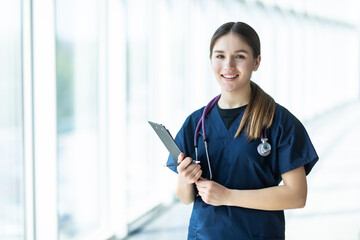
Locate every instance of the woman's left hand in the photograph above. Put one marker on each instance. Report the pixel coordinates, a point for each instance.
(211, 192)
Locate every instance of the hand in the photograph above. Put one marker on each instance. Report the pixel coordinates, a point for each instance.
(212, 193)
(190, 172)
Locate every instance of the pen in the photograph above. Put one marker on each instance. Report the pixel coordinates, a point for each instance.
(177, 164)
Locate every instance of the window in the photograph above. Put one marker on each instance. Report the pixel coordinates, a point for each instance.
(77, 118)
(11, 122)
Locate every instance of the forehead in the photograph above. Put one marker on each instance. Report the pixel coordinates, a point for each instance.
(231, 42)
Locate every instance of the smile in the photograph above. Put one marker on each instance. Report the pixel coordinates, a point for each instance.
(229, 76)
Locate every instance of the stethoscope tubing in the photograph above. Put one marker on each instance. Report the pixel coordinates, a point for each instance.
(263, 149)
(201, 123)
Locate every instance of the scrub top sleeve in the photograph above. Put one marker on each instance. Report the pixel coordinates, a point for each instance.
(294, 147)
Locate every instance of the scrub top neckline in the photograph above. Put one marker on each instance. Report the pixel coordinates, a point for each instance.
(229, 115)
(231, 109)
(221, 128)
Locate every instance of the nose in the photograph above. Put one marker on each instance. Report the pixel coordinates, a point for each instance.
(229, 63)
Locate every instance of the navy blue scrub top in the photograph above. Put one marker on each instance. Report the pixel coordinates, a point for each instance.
(236, 164)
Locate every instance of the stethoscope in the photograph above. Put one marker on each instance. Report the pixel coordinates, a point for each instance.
(264, 148)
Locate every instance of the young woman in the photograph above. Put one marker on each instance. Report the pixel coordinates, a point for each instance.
(235, 158)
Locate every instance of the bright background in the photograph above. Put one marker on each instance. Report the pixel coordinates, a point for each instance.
(80, 79)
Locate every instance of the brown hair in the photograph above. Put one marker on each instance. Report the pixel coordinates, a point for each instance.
(243, 30)
(260, 111)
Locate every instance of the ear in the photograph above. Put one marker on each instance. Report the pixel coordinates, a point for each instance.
(257, 63)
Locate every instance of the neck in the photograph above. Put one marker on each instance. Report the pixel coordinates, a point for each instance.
(235, 99)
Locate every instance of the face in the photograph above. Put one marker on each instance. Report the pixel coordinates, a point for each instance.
(233, 62)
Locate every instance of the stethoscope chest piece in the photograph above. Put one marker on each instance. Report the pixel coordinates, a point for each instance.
(264, 147)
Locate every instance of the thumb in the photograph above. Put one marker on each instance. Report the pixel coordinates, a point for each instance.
(180, 157)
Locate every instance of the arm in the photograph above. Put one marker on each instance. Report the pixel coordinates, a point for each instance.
(290, 195)
(188, 175)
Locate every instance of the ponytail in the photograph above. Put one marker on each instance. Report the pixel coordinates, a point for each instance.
(258, 115)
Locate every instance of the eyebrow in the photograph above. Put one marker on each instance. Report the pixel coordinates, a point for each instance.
(237, 51)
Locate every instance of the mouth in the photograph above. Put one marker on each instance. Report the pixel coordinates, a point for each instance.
(229, 77)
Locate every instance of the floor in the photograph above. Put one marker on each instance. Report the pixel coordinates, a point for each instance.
(333, 204)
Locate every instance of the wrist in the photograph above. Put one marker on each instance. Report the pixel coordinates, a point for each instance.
(184, 181)
(228, 197)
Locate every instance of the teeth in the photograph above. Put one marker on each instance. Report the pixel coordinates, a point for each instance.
(229, 76)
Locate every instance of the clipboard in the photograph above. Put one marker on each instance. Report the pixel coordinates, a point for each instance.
(167, 139)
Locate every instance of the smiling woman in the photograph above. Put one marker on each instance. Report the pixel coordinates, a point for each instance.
(232, 62)
(241, 186)
(235, 55)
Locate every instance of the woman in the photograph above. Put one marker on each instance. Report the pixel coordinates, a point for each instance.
(235, 187)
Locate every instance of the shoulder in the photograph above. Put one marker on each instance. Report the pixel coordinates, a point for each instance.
(285, 125)
(184, 137)
(282, 111)
(283, 115)
(193, 118)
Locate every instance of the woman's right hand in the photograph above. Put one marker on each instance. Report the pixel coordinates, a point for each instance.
(190, 172)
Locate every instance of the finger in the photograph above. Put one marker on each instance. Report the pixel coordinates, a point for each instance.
(202, 193)
(184, 164)
(201, 189)
(192, 171)
(196, 176)
(180, 157)
(202, 182)
(186, 161)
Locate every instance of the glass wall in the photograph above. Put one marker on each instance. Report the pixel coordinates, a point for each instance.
(120, 64)
(11, 122)
(77, 117)
(137, 99)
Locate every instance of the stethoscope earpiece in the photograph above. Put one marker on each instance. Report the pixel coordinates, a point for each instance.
(264, 147)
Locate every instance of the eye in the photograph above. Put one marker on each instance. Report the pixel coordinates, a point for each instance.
(220, 56)
(240, 57)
